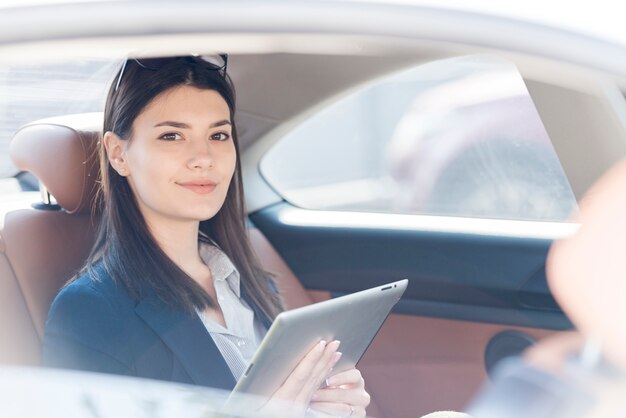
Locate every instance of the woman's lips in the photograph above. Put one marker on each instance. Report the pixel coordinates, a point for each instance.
(199, 187)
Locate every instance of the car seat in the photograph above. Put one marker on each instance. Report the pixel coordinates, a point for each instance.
(43, 246)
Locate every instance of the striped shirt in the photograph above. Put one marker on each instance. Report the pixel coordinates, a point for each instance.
(244, 331)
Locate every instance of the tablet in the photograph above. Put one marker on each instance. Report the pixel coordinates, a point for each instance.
(353, 319)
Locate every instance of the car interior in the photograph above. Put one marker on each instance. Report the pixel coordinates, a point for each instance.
(38, 266)
(474, 298)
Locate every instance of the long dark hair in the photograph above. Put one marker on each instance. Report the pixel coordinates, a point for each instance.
(124, 244)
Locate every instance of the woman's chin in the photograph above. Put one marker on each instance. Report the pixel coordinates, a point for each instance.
(193, 216)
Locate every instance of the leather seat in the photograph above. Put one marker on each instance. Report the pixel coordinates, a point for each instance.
(41, 248)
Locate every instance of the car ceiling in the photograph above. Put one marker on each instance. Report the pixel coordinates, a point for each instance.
(288, 59)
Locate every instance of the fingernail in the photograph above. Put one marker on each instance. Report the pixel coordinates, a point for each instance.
(321, 345)
(336, 357)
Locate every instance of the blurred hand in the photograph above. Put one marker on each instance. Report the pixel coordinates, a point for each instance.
(344, 395)
(586, 271)
(551, 353)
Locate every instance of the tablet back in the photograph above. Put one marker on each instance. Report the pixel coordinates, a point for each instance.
(353, 319)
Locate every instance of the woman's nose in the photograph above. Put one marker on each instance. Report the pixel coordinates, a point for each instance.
(201, 156)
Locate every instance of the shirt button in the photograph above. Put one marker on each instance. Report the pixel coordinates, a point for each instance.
(241, 343)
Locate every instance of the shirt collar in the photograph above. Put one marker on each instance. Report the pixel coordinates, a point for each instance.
(220, 265)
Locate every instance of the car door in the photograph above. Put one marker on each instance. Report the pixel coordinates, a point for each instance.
(452, 184)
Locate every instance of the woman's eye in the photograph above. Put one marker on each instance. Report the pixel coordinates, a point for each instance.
(171, 136)
(220, 136)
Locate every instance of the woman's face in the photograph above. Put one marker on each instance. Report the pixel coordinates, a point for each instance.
(181, 157)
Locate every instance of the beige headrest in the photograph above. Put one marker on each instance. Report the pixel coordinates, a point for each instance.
(62, 154)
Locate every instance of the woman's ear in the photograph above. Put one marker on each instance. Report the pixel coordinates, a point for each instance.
(116, 152)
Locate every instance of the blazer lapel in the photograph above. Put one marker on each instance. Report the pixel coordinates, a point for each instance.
(190, 342)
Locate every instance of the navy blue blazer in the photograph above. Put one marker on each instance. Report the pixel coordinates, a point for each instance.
(97, 326)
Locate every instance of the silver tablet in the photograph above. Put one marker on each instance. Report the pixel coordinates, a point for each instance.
(353, 319)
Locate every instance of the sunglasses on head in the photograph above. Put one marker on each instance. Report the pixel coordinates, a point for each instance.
(219, 63)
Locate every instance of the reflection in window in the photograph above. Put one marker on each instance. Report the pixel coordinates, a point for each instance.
(459, 137)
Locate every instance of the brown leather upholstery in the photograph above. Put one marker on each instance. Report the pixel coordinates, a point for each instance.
(290, 287)
(42, 249)
(417, 365)
(65, 162)
(20, 342)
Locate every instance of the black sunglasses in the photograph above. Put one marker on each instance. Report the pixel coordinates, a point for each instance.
(218, 62)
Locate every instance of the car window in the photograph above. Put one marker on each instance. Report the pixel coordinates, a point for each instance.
(34, 91)
(457, 137)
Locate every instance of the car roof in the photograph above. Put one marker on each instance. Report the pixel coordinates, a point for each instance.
(291, 59)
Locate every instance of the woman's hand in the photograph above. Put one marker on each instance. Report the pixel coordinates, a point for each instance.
(293, 397)
(344, 395)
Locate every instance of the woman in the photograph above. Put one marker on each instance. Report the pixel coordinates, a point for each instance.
(172, 289)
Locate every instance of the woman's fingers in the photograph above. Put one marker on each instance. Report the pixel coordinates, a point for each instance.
(302, 372)
(351, 377)
(344, 389)
(320, 372)
(344, 396)
(329, 359)
(358, 397)
(338, 409)
(292, 398)
(307, 376)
